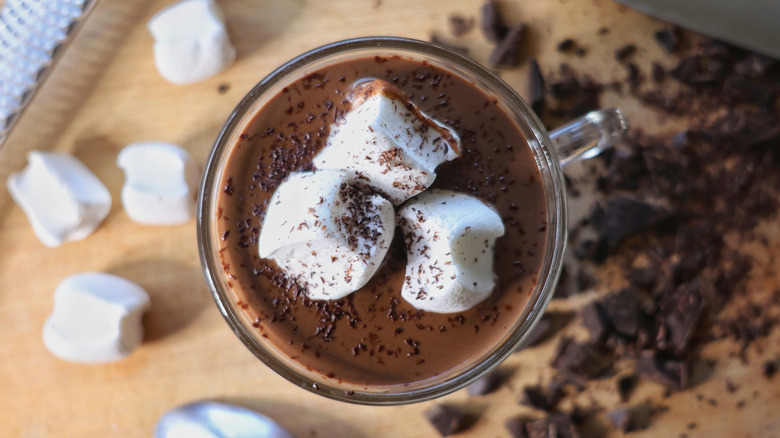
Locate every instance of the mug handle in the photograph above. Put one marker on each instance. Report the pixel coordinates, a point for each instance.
(589, 135)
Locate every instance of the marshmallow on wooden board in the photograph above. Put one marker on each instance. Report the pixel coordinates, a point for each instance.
(63, 200)
(191, 42)
(161, 181)
(392, 145)
(97, 317)
(326, 232)
(450, 241)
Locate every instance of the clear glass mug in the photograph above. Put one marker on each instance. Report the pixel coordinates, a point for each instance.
(580, 139)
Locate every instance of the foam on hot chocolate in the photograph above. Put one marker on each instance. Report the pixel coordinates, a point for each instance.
(449, 246)
(326, 232)
(392, 145)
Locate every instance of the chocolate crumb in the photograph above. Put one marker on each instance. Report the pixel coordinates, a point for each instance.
(625, 386)
(567, 45)
(223, 88)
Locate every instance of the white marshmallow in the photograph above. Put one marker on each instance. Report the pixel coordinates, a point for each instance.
(161, 181)
(96, 318)
(327, 233)
(63, 200)
(208, 419)
(449, 244)
(389, 142)
(190, 41)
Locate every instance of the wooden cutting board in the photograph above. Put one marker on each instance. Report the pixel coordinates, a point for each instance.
(106, 94)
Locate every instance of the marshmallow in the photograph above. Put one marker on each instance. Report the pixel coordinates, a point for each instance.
(388, 141)
(161, 182)
(449, 244)
(208, 419)
(96, 318)
(327, 233)
(63, 200)
(190, 41)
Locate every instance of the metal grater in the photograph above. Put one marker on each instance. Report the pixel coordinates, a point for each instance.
(32, 36)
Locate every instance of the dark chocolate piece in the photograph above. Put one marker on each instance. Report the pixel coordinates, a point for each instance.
(622, 311)
(447, 420)
(670, 372)
(507, 53)
(487, 383)
(595, 322)
(658, 72)
(558, 425)
(754, 66)
(536, 86)
(516, 426)
(699, 70)
(631, 419)
(769, 369)
(624, 216)
(492, 24)
(625, 52)
(583, 360)
(567, 45)
(543, 398)
(625, 386)
(669, 39)
(683, 317)
(460, 25)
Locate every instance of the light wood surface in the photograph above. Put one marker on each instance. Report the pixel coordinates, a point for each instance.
(106, 94)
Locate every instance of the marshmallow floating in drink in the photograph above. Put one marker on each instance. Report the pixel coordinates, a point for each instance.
(392, 146)
(323, 230)
(190, 41)
(161, 181)
(449, 245)
(96, 318)
(63, 200)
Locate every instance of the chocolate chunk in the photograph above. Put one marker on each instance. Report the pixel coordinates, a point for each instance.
(670, 372)
(446, 419)
(625, 386)
(625, 52)
(583, 360)
(669, 39)
(595, 322)
(682, 318)
(631, 419)
(624, 216)
(739, 89)
(622, 311)
(558, 425)
(492, 24)
(516, 426)
(507, 53)
(543, 398)
(460, 25)
(769, 369)
(487, 383)
(747, 129)
(536, 86)
(658, 72)
(754, 66)
(699, 70)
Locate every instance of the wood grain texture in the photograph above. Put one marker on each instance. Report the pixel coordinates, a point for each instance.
(106, 94)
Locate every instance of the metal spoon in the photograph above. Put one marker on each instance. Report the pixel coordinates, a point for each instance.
(208, 419)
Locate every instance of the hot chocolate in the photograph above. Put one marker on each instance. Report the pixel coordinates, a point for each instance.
(373, 337)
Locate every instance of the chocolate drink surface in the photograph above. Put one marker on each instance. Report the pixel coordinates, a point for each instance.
(373, 337)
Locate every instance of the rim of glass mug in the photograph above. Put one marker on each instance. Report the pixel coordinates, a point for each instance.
(580, 139)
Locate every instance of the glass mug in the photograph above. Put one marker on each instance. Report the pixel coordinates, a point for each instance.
(580, 139)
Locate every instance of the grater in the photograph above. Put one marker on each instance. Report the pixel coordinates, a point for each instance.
(33, 34)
